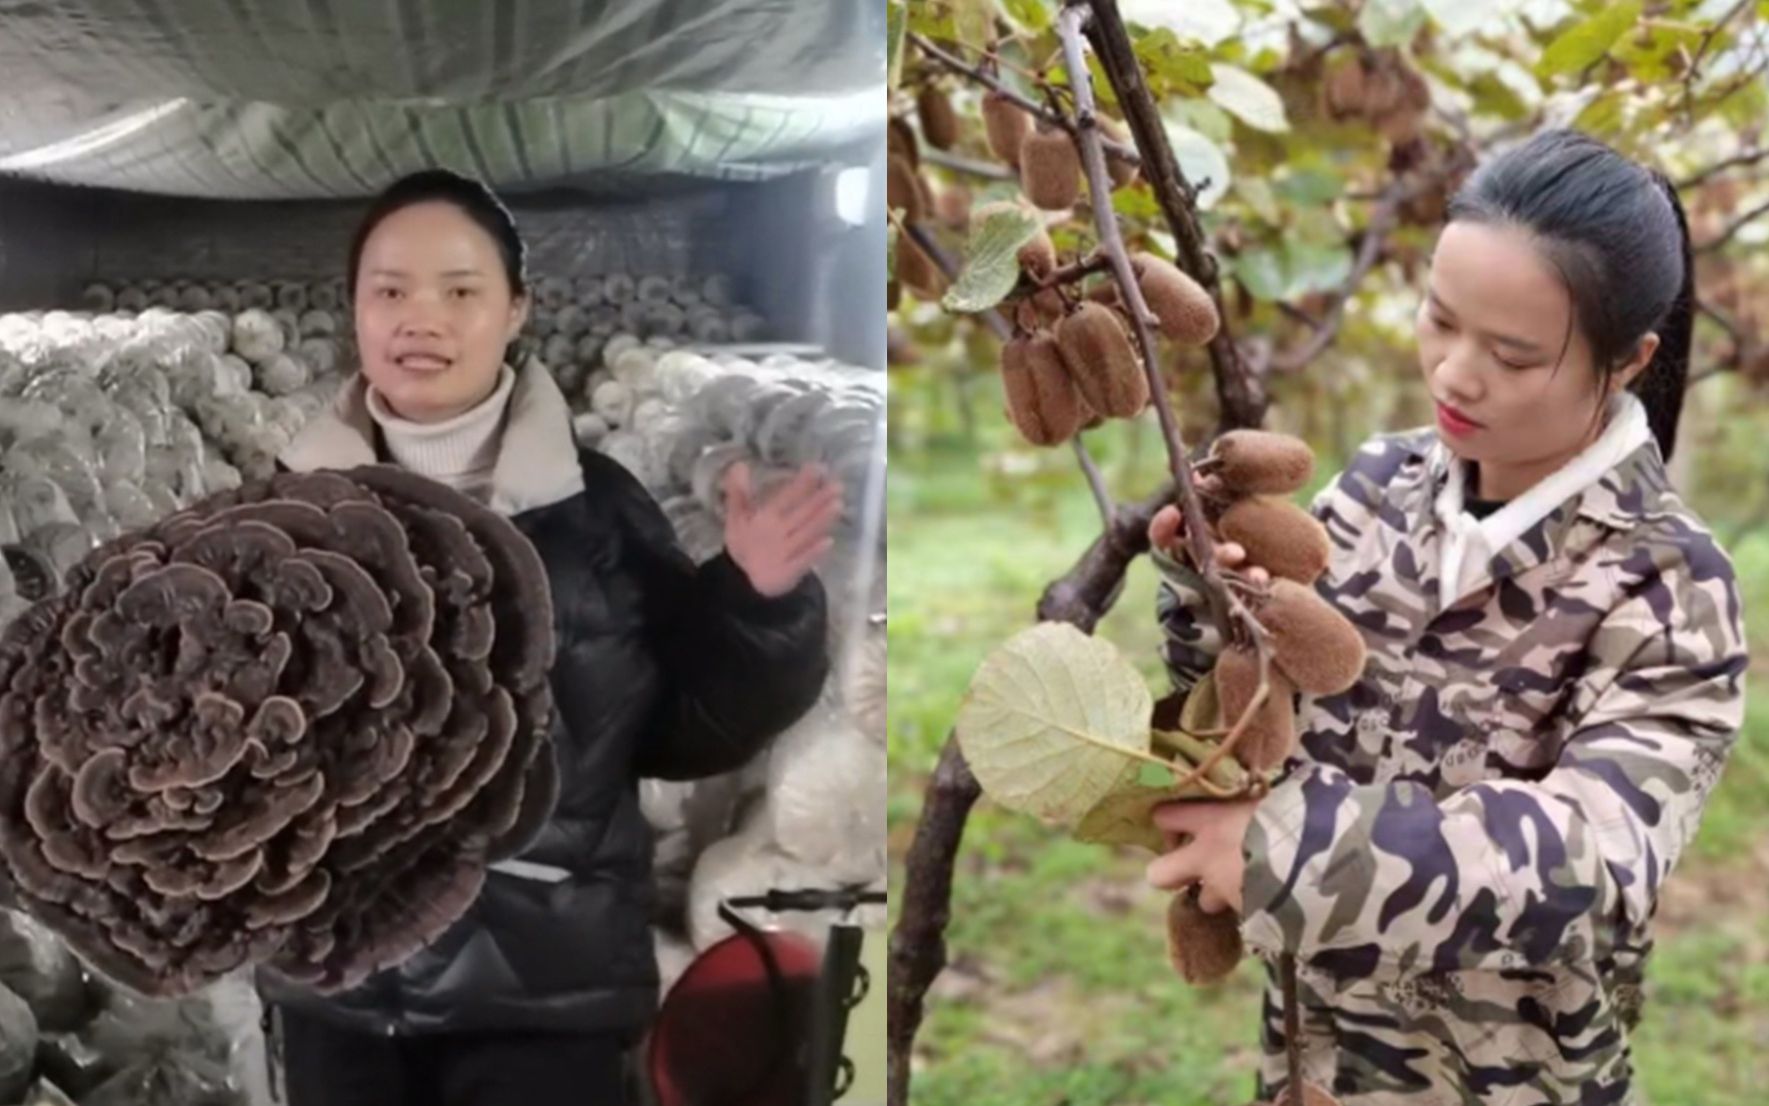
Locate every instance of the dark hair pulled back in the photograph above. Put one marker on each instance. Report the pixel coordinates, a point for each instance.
(1617, 234)
(474, 200)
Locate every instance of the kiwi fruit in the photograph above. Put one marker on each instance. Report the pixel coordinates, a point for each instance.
(1260, 462)
(939, 124)
(952, 206)
(1311, 1096)
(893, 295)
(1105, 366)
(1041, 399)
(1343, 90)
(1120, 171)
(1316, 646)
(1186, 312)
(1049, 305)
(1382, 91)
(1050, 168)
(1278, 536)
(1270, 737)
(1415, 93)
(1106, 292)
(917, 270)
(1005, 125)
(900, 142)
(1400, 126)
(903, 189)
(1203, 948)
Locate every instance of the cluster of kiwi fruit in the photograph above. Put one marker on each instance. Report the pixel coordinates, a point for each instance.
(1044, 155)
(906, 190)
(1245, 484)
(1378, 87)
(1072, 361)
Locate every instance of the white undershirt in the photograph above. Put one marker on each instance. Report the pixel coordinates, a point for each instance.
(461, 451)
(1470, 543)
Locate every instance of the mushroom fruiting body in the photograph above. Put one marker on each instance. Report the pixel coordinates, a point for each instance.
(288, 725)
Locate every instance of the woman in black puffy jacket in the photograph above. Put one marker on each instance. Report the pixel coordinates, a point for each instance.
(663, 669)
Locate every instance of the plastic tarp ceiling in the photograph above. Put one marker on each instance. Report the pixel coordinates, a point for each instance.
(310, 98)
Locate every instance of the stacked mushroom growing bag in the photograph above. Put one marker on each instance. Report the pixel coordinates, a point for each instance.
(809, 812)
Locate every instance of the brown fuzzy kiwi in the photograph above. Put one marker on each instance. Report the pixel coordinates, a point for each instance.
(900, 142)
(1415, 93)
(1187, 314)
(1106, 292)
(917, 271)
(1400, 126)
(952, 205)
(1382, 89)
(1343, 90)
(939, 123)
(1260, 462)
(1278, 536)
(893, 295)
(1050, 168)
(1105, 366)
(1041, 399)
(903, 189)
(1271, 735)
(1006, 125)
(1204, 948)
(1050, 307)
(1121, 172)
(1316, 646)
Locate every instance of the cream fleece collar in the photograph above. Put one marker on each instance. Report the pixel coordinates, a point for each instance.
(536, 462)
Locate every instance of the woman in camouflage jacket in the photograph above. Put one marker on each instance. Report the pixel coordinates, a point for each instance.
(1466, 852)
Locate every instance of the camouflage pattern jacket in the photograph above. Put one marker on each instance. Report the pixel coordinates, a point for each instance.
(1466, 852)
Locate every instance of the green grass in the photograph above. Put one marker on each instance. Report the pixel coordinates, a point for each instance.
(1059, 991)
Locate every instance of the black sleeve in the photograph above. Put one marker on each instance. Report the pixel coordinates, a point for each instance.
(738, 666)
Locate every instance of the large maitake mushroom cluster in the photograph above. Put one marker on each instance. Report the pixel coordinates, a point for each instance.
(289, 724)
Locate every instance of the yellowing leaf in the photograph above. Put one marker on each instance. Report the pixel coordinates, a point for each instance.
(1588, 40)
(1123, 818)
(1172, 67)
(966, 21)
(1202, 710)
(896, 22)
(1052, 722)
(991, 263)
(1033, 15)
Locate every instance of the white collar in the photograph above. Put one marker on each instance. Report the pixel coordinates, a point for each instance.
(1470, 543)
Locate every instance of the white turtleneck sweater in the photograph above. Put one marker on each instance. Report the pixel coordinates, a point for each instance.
(461, 451)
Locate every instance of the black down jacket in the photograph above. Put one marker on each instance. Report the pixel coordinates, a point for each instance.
(662, 670)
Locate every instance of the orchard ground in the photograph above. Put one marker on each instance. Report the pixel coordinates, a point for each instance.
(1059, 993)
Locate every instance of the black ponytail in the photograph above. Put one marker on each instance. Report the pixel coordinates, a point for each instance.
(1661, 386)
(1616, 233)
